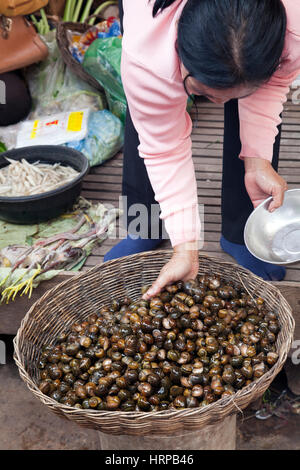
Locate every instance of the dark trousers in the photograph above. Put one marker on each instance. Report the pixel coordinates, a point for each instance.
(236, 204)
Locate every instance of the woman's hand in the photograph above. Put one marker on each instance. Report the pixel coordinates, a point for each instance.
(183, 266)
(262, 181)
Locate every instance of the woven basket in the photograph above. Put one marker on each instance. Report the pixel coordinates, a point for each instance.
(63, 44)
(75, 299)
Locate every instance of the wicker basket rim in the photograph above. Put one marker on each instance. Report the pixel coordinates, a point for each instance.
(61, 36)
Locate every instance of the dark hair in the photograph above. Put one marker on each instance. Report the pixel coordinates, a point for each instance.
(226, 43)
(160, 5)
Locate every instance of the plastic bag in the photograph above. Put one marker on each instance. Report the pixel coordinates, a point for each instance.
(8, 135)
(104, 139)
(55, 88)
(79, 43)
(54, 130)
(102, 60)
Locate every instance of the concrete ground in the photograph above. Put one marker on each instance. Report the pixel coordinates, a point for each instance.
(25, 423)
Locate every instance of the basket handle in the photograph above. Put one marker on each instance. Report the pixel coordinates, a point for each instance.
(98, 11)
(93, 16)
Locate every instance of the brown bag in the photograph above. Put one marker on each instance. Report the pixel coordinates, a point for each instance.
(20, 45)
(20, 7)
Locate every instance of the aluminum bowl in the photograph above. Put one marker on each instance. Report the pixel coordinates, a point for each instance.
(275, 237)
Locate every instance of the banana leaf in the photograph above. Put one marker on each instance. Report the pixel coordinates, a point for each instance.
(21, 281)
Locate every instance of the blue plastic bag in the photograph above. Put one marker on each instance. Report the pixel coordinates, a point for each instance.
(104, 139)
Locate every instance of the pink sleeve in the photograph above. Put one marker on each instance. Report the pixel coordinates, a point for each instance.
(158, 110)
(260, 115)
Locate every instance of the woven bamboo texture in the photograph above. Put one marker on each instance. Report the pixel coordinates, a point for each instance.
(62, 29)
(74, 300)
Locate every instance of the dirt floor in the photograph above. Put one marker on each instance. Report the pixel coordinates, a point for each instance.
(25, 423)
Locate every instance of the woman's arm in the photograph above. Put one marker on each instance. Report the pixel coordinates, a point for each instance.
(158, 111)
(260, 115)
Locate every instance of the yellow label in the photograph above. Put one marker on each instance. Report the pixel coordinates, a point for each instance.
(75, 121)
(34, 129)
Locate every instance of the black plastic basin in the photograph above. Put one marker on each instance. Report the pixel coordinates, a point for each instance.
(41, 207)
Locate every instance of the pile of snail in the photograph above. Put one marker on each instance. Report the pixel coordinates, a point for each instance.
(196, 342)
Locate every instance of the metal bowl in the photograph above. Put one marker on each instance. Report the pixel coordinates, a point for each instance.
(275, 237)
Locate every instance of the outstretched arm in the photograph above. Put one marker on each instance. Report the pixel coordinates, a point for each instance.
(158, 111)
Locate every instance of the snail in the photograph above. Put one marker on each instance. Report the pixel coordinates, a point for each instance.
(193, 344)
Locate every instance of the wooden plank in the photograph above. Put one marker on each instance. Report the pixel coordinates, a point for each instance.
(216, 153)
(216, 147)
(101, 196)
(218, 132)
(105, 175)
(109, 187)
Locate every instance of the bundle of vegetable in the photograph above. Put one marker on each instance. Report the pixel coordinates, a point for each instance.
(22, 267)
(21, 178)
(41, 25)
(79, 11)
(75, 11)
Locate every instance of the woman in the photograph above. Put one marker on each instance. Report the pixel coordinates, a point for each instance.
(244, 53)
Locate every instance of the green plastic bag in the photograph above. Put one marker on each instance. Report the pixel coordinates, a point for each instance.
(102, 60)
(55, 88)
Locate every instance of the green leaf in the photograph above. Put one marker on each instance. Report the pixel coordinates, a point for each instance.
(13, 234)
(2, 147)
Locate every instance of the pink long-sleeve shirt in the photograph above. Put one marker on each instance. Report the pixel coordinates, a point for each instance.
(157, 103)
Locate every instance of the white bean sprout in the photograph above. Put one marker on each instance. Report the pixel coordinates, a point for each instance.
(21, 178)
